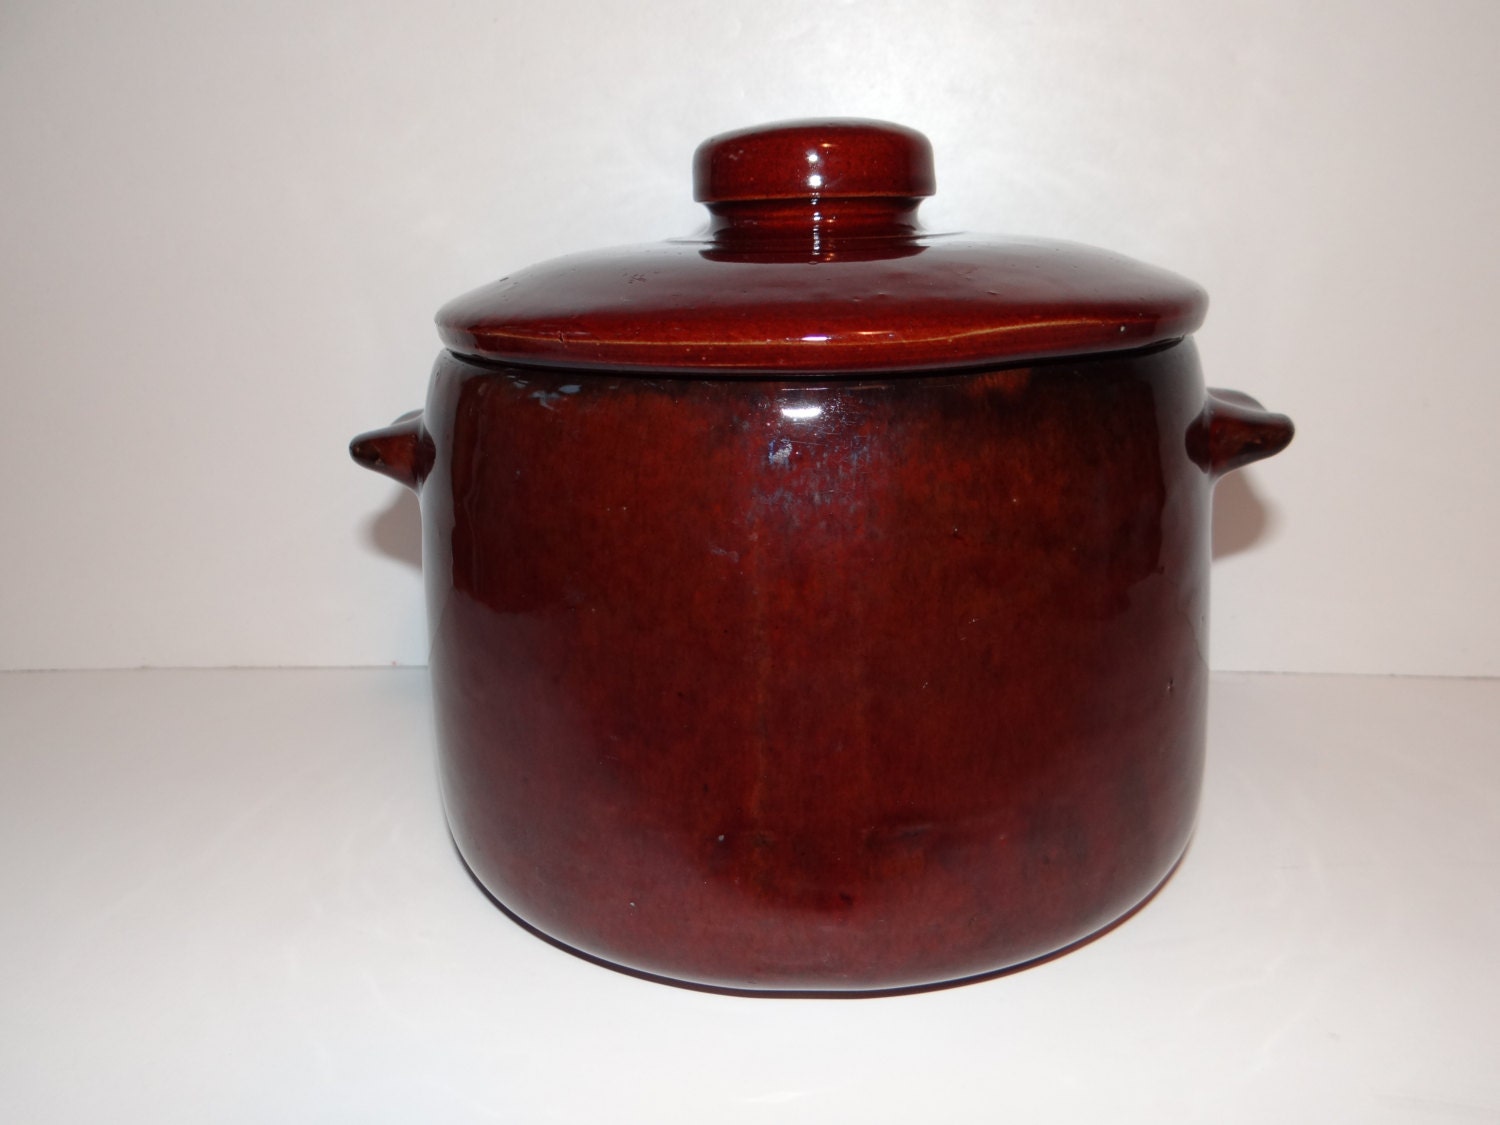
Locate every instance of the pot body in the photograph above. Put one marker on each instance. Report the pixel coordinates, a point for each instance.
(819, 685)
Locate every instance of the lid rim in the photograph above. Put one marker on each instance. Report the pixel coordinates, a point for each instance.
(783, 374)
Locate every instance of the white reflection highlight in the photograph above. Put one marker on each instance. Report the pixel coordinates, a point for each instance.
(801, 413)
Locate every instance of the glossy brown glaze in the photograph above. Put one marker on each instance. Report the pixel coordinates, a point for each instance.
(813, 262)
(874, 677)
(841, 685)
(1234, 430)
(401, 451)
(828, 159)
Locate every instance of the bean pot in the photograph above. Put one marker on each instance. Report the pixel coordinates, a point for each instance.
(820, 604)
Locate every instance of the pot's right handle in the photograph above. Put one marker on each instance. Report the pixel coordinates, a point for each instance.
(1233, 430)
(402, 451)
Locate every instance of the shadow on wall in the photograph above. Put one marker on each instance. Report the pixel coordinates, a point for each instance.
(1240, 520)
(396, 530)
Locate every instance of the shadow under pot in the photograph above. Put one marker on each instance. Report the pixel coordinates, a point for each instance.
(819, 604)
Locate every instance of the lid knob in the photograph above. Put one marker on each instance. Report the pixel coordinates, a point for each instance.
(833, 158)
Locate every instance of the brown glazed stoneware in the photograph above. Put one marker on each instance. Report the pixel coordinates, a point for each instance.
(819, 604)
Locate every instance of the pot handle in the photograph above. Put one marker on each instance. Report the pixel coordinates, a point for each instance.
(402, 451)
(1233, 430)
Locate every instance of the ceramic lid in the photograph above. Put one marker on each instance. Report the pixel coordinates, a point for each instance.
(813, 263)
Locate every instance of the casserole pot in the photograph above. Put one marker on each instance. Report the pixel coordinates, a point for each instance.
(818, 603)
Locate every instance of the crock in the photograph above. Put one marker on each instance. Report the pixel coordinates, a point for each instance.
(818, 603)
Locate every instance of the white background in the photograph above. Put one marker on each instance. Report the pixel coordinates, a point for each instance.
(224, 229)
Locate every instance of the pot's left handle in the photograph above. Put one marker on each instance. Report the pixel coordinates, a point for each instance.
(402, 451)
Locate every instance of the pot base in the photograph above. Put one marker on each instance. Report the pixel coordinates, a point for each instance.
(832, 990)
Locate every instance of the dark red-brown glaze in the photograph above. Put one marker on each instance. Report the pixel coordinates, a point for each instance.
(820, 158)
(914, 304)
(401, 451)
(819, 685)
(813, 261)
(1235, 430)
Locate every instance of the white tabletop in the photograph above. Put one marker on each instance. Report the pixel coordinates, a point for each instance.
(230, 896)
